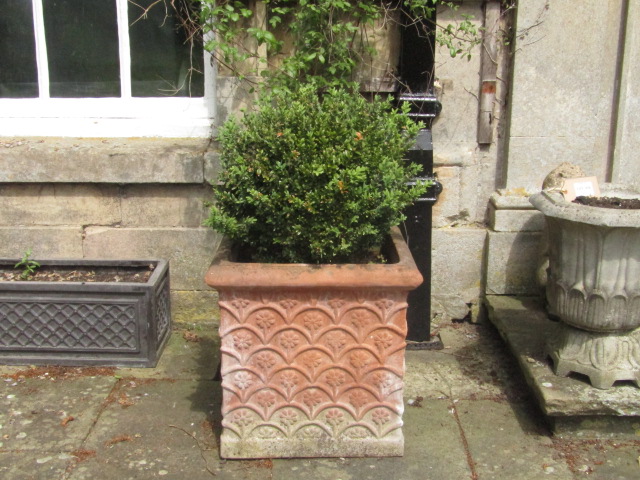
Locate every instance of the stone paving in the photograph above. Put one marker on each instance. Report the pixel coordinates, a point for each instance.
(469, 415)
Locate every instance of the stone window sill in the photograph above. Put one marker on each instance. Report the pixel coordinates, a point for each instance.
(106, 160)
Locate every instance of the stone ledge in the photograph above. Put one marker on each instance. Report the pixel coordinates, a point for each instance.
(572, 406)
(103, 160)
(511, 211)
(515, 220)
(512, 263)
(515, 199)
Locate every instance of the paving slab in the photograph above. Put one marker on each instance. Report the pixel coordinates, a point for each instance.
(468, 415)
(190, 354)
(571, 404)
(150, 427)
(602, 459)
(474, 364)
(33, 465)
(507, 441)
(50, 414)
(433, 450)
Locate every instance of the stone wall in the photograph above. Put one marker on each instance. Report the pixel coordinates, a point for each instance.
(469, 171)
(566, 89)
(109, 198)
(564, 76)
(574, 98)
(112, 198)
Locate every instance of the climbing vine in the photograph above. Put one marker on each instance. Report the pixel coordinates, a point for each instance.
(317, 41)
(289, 42)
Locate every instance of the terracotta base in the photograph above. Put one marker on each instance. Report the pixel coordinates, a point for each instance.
(311, 447)
(604, 357)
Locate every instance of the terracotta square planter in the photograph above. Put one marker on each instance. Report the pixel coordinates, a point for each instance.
(313, 356)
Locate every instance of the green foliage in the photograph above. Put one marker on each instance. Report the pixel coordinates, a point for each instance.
(314, 178)
(327, 40)
(460, 38)
(27, 264)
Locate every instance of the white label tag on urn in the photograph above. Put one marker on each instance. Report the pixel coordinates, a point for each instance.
(580, 187)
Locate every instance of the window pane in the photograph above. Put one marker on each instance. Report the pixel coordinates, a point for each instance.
(82, 46)
(163, 60)
(18, 68)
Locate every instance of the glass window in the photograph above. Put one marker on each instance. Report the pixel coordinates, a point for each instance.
(18, 67)
(82, 48)
(165, 59)
(109, 68)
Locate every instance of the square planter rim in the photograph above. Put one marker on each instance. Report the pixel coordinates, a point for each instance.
(229, 274)
(160, 266)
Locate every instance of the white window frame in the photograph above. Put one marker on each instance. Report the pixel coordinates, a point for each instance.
(123, 116)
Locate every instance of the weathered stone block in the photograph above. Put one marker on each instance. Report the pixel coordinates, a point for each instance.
(457, 262)
(45, 242)
(476, 186)
(234, 95)
(211, 166)
(189, 250)
(195, 306)
(164, 205)
(515, 220)
(573, 121)
(512, 263)
(625, 161)
(511, 211)
(117, 160)
(59, 204)
(449, 307)
(446, 210)
(458, 120)
(549, 153)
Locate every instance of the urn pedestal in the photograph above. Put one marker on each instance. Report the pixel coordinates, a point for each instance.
(593, 287)
(313, 356)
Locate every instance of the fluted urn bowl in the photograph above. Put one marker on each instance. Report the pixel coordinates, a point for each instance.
(594, 261)
(593, 285)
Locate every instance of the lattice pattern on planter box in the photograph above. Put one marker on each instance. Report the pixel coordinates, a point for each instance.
(163, 311)
(68, 326)
(298, 373)
(86, 323)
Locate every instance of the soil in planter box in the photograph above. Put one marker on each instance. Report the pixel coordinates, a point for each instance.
(609, 202)
(68, 274)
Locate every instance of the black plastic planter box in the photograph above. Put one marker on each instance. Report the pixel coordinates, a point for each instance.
(85, 323)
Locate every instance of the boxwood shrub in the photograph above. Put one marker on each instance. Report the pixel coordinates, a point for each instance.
(314, 177)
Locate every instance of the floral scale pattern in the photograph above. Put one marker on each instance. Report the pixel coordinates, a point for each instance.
(300, 368)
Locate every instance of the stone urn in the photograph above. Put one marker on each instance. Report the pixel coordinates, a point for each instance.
(593, 287)
(313, 355)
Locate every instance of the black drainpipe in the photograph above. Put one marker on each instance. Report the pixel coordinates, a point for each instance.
(417, 227)
(416, 76)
